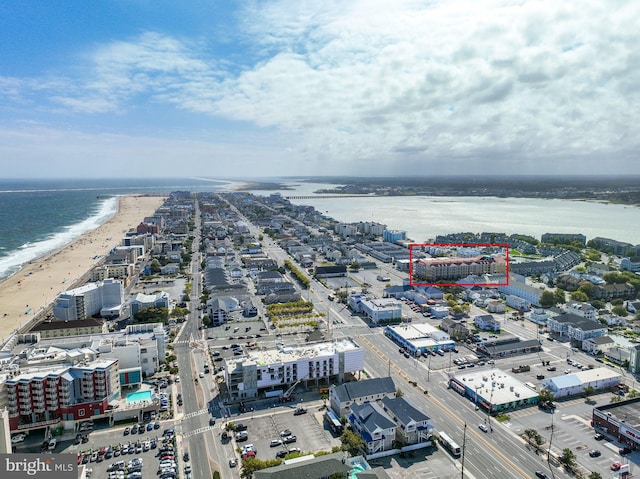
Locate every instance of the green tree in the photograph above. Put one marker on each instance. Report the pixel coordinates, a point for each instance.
(560, 296)
(588, 392)
(155, 266)
(579, 296)
(399, 393)
(598, 304)
(588, 289)
(355, 266)
(545, 396)
(620, 310)
(594, 475)
(568, 459)
(152, 315)
(352, 442)
(253, 464)
(547, 299)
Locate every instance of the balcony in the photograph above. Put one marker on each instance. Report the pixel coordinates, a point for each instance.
(25, 411)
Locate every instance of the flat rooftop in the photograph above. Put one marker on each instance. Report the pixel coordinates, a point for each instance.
(294, 353)
(627, 411)
(496, 386)
(411, 332)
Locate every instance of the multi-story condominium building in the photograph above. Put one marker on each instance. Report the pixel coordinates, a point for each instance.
(271, 372)
(436, 269)
(617, 247)
(104, 298)
(118, 271)
(391, 236)
(51, 396)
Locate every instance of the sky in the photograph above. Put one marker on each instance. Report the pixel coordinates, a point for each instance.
(241, 89)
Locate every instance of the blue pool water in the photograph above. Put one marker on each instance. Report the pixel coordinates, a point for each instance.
(356, 468)
(139, 396)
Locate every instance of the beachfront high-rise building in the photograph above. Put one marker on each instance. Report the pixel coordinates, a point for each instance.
(103, 298)
(51, 396)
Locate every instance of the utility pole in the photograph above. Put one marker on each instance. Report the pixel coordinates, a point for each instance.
(464, 441)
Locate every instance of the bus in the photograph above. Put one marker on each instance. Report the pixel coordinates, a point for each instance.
(334, 422)
(449, 444)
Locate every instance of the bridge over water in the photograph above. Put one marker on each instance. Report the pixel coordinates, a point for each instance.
(323, 197)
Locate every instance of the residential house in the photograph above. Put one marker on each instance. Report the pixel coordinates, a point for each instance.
(576, 327)
(374, 426)
(598, 345)
(455, 329)
(487, 322)
(414, 426)
(342, 396)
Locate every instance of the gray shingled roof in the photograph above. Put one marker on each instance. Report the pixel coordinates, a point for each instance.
(403, 410)
(360, 389)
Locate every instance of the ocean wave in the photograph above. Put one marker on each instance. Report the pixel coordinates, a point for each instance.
(14, 260)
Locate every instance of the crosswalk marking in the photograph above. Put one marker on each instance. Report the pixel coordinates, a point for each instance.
(196, 413)
(198, 431)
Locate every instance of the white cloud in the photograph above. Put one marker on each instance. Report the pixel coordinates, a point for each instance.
(400, 85)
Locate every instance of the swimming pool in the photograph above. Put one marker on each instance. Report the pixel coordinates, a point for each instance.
(357, 467)
(139, 396)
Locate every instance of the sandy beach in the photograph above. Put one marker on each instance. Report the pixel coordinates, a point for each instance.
(39, 282)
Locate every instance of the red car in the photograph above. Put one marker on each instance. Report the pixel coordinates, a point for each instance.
(616, 466)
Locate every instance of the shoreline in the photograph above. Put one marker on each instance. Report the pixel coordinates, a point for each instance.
(36, 285)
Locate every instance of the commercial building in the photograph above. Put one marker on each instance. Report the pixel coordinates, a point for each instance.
(103, 298)
(419, 339)
(494, 390)
(377, 310)
(142, 301)
(620, 420)
(575, 384)
(271, 372)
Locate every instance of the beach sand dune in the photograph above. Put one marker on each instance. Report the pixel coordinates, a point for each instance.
(38, 284)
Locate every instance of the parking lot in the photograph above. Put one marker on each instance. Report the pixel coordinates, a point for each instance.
(310, 431)
(133, 454)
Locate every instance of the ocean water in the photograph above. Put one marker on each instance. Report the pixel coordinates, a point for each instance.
(40, 216)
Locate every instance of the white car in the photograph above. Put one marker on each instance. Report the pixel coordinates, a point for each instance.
(18, 438)
(201, 375)
(483, 427)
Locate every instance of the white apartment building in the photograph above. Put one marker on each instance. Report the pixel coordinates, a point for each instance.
(272, 372)
(103, 297)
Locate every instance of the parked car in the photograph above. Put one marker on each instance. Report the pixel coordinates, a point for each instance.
(285, 432)
(275, 443)
(551, 368)
(598, 437)
(233, 462)
(616, 466)
(290, 439)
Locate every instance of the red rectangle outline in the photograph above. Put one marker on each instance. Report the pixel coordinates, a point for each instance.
(436, 285)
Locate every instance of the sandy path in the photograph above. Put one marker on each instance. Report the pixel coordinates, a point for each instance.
(39, 282)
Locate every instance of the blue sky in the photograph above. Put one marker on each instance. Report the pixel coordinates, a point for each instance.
(274, 88)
